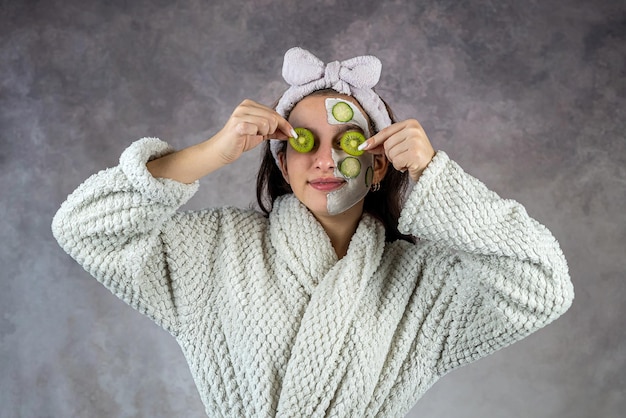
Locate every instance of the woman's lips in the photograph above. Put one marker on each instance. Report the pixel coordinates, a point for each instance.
(326, 184)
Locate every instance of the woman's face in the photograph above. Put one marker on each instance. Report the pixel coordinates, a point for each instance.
(314, 176)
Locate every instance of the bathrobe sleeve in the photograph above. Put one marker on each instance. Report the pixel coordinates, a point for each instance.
(496, 273)
(113, 224)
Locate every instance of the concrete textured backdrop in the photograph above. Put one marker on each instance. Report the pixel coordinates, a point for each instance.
(529, 96)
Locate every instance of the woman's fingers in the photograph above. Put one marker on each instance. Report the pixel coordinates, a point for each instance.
(283, 127)
(374, 143)
(405, 145)
(249, 125)
(267, 121)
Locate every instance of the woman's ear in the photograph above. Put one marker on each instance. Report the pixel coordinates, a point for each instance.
(282, 165)
(381, 164)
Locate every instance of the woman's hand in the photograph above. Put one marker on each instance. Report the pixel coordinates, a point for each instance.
(406, 146)
(248, 126)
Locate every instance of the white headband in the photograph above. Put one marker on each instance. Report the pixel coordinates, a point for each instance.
(305, 73)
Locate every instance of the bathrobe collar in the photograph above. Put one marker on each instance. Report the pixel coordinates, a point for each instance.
(335, 287)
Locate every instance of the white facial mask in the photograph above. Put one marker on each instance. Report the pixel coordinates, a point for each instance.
(357, 187)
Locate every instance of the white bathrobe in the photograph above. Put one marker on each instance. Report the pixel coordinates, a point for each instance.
(274, 325)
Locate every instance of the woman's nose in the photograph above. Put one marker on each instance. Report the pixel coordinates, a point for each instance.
(324, 156)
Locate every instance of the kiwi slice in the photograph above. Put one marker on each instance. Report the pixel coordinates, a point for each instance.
(350, 142)
(304, 142)
(350, 167)
(342, 112)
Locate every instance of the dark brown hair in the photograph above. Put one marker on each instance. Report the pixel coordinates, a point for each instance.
(385, 204)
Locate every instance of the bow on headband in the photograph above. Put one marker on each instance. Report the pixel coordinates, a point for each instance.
(355, 77)
(301, 67)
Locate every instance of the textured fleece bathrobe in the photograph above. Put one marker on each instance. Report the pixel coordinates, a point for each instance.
(274, 325)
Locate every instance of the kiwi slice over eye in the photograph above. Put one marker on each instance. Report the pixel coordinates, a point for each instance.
(304, 142)
(350, 142)
(342, 112)
(350, 167)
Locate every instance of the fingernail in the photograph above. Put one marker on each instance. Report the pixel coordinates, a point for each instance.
(363, 146)
(294, 134)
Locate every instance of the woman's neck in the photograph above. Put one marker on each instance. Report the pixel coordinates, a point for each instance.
(340, 228)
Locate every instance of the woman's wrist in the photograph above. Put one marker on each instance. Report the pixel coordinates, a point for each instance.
(187, 165)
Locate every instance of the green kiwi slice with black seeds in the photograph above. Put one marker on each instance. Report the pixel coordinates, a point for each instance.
(350, 142)
(350, 167)
(304, 142)
(342, 112)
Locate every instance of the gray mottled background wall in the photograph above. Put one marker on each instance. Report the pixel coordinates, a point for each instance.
(529, 96)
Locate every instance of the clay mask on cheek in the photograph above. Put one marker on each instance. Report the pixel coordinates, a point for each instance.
(357, 170)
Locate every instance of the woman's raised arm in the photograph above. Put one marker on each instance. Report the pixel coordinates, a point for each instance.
(249, 125)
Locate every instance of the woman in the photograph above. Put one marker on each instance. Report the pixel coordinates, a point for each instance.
(324, 305)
